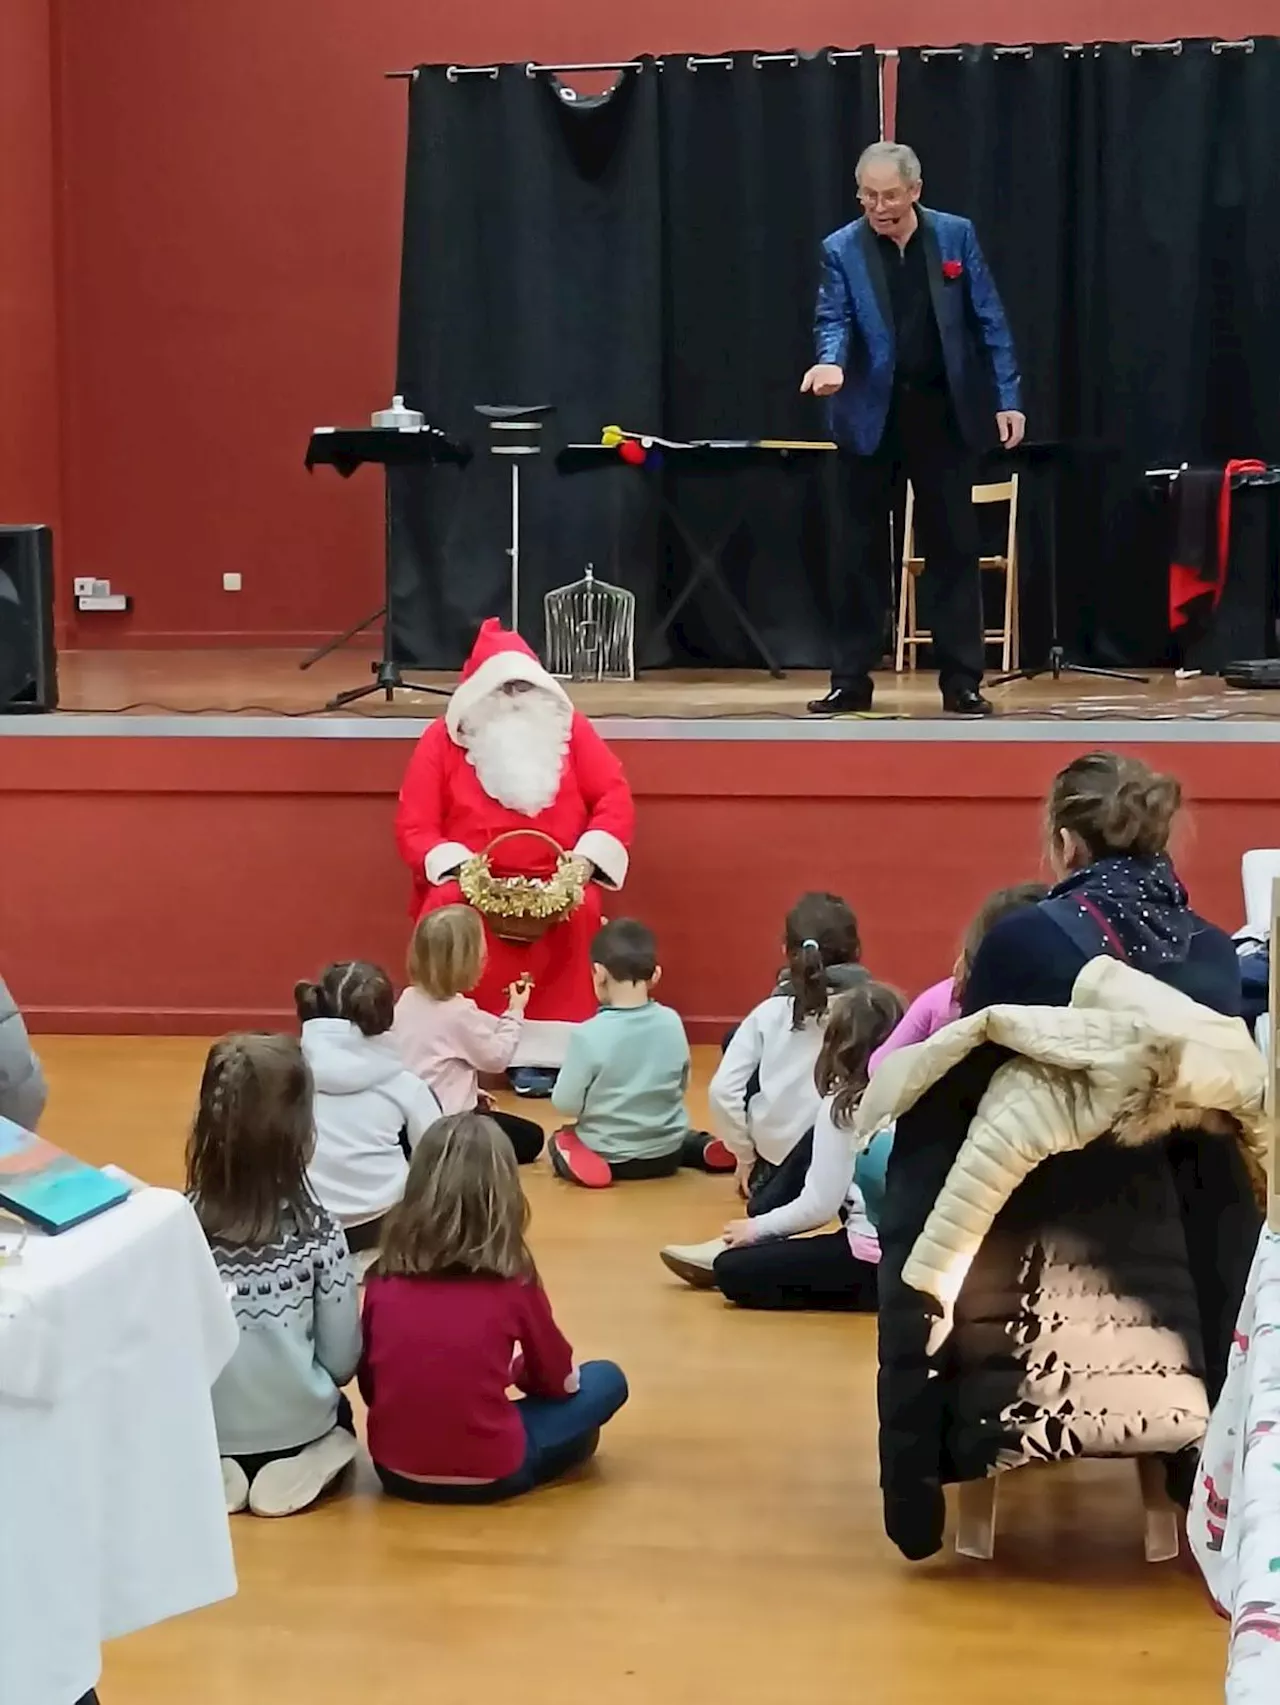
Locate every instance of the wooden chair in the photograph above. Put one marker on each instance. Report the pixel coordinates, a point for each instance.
(910, 636)
(976, 1515)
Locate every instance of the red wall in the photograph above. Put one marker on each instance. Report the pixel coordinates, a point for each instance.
(29, 445)
(229, 215)
(184, 884)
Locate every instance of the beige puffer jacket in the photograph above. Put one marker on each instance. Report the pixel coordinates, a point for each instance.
(1129, 1056)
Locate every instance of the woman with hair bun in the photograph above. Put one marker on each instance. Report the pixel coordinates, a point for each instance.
(1095, 1316)
(1108, 822)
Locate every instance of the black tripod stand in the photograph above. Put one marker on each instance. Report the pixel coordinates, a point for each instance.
(346, 449)
(1051, 456)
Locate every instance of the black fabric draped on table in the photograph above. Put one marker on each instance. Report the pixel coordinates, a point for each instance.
(646, 258)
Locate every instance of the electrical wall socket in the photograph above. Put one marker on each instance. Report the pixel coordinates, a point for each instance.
(232, 583)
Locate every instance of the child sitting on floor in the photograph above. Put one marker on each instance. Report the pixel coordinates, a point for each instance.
(369, 1108)
(764, 1261)
(625, 1075)
(453, 1293)
(763, 1099)
(284, 1430)
(443, 1035)
(940, 1005)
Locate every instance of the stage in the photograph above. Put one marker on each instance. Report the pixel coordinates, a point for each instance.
(227, 682)
(171, 872)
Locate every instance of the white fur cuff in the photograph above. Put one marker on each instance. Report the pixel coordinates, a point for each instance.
(607, 853)
(444, 859)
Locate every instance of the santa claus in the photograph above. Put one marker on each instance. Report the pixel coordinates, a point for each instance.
(511, 753)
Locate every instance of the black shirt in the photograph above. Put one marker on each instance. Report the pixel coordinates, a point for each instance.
(919, 360)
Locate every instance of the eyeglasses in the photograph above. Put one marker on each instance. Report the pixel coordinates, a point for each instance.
(886, 198)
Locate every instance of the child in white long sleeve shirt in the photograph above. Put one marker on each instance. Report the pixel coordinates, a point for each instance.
(763, 1099)
(764, 1261)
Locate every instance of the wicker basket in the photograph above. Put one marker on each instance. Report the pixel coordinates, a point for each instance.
(521, 908)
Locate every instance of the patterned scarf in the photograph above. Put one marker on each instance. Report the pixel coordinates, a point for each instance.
(1132, 908)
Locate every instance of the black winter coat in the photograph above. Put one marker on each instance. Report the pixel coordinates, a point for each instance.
(1096, 1317)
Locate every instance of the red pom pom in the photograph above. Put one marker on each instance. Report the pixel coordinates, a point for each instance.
(631, 453)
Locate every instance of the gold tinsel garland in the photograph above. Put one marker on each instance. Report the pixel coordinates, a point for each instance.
(521, 896)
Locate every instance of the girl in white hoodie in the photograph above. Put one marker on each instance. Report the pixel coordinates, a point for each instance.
(369, 1110)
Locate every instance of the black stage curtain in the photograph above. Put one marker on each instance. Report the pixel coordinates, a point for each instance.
(531, 274)
(647, 257)
(1128, 200)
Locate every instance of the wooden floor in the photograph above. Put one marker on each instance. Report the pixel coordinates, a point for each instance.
(270, 682)
(726, 1547)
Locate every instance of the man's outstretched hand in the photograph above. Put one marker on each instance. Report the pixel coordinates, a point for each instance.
(824, 380)
(1012, 427)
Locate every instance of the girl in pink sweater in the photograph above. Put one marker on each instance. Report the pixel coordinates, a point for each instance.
(940, 1005)
(444, 1036)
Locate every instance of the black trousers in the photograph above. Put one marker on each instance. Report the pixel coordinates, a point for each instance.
(798, 1272)
(923, 443)
(526, 1136)
(793, 1272)
(773, 1186)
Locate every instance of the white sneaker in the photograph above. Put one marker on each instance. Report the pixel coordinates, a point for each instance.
(235, 1483)
(692, 1262)
(291, 1483)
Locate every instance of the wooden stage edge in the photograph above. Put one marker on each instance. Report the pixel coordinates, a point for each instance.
(255, 683)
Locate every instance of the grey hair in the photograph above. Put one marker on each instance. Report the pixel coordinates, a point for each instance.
(892, 153)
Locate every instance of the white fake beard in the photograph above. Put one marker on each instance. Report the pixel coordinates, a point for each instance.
(516, 743)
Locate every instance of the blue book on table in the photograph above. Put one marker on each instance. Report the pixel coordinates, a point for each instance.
(47, 1187)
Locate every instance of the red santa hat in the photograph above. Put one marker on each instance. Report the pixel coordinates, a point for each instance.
(498, 656)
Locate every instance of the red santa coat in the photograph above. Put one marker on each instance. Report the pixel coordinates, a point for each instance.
(445, 816)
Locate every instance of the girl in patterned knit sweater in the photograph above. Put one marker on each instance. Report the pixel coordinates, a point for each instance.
(284, 1429)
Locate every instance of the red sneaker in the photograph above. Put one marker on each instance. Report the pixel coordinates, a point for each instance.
(717, 1158)
(573, 1161)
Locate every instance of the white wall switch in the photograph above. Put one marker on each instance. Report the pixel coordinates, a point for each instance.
(232, 583)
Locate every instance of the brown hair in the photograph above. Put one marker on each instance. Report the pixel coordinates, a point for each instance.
(1114, 805)
(251, 1140)
(821, 930)
(992, 911)
(859, 1021)
(354, 990)
(446, 952)
(463, 1210)
(627, 950)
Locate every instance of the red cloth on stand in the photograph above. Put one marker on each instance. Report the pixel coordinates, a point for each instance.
(1202, 537)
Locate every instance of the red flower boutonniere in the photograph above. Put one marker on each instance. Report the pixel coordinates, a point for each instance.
(952, 269)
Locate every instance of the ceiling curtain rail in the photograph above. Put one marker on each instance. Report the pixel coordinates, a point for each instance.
(694, 61)
(726, 61)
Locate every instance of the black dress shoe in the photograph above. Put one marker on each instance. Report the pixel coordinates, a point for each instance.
(966, 701)
(841, 701)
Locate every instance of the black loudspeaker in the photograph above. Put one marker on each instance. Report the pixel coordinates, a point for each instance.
(28, 661)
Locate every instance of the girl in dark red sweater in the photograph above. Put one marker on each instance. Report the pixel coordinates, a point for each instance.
(453, 1292)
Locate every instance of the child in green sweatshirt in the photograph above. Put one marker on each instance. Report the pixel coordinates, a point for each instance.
(625, 1075)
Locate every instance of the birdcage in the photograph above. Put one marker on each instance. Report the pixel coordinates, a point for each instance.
(591, 628)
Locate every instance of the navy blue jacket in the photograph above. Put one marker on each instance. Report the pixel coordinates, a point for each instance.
(853, 329)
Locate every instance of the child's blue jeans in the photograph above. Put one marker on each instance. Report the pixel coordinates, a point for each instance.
(560, 1433)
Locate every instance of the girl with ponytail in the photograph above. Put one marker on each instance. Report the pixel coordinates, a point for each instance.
(763, 1098)
(370, 1109)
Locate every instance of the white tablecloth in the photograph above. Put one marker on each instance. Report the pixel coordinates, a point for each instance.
(112, 1514)
(1234, 1520)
